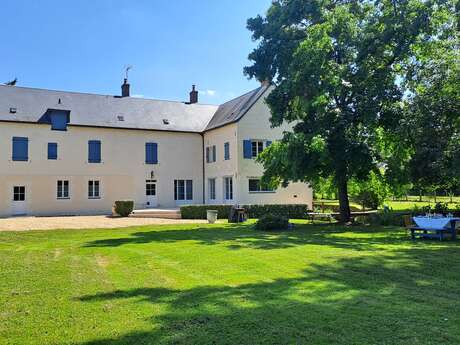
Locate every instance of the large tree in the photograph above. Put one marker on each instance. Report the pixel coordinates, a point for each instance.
(337, 67)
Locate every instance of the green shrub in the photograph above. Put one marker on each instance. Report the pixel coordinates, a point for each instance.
(124, 207)
(382, 218)
(368, 199)
(254, 211)
(269, 222)
(441, 207)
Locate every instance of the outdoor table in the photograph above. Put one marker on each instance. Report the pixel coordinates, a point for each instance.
(438, 224)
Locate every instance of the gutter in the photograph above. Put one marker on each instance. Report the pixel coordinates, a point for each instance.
(203, 166)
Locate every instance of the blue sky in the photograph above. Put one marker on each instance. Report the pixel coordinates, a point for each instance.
(84, 45)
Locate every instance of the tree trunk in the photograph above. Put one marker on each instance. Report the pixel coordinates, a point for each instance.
(344, 203)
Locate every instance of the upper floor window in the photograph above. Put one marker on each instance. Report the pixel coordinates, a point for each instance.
(94, 190)
(20, 149)
(151, 153)
(52, 151)
(211, 154)
(94, 151)
(256, 186)
(212, 188)
(257, 146)
(252, 148)
(63, 189)
(227, 151)
(183, 190)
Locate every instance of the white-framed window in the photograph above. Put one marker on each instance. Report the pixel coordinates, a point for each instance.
(228, 188)
(226, 151)
(19, 193)
(94, 189)
(212, 188)
(211, 154)
(183, 190)
(256, 187)
(257, 146)
(63, 189)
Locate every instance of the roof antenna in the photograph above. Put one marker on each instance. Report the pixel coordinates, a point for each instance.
(127, 68)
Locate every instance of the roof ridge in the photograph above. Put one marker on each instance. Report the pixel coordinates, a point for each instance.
(104, 95)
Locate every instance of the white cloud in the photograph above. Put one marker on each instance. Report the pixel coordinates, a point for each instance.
(211, 93)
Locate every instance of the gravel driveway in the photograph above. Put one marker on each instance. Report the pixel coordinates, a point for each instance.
(82, 222)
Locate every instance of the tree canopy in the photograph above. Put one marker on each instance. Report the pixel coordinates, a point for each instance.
(339, 70)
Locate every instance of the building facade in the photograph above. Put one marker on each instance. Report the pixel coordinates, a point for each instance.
(74, 153)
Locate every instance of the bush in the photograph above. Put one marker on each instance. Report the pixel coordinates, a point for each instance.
(272, 222)
(368, 199)
(382, 218)
(298, 211)
(124, 207)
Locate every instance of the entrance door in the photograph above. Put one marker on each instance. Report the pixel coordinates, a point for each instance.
(151, 193)
(19, 206)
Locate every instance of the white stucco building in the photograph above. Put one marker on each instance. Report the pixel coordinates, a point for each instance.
(76, 153)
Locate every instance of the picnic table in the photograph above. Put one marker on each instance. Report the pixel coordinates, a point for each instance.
(434, 227)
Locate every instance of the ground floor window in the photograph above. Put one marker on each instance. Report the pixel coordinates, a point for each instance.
(94, 191)
(183, 190)
(63, 189)
(212, 188)
(228, 188)
(256, 186)
(19, 193)
(151, 188)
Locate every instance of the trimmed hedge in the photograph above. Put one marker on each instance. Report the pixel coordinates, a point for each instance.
(254, 211)
(124, 207)
(272, 222)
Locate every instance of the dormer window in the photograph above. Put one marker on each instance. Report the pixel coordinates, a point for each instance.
(121, 118)
(13, 110)
(166, 121)
(59, 119)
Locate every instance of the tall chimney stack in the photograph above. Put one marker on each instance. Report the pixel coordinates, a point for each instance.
(193, 95)
(125, 88)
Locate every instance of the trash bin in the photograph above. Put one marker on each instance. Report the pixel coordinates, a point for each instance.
(211, 216)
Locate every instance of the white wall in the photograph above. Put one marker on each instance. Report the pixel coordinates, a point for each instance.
(256, 125)
(122, 172)
(221, 167)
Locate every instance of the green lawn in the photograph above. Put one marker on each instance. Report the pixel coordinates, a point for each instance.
(227, 284)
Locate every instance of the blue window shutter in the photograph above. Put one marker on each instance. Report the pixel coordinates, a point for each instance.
(94, 151)
(268, 143)
(247, 149)
(52, 150)
(214, 153)
(151, 153)
(59, 121)
(207, 154)
(20, 149)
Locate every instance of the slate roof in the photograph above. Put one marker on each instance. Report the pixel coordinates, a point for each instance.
(234, 110)
(106, 111)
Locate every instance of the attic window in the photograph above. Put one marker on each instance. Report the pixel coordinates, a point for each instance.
(121, 118)
(166, 121)
(13, 110)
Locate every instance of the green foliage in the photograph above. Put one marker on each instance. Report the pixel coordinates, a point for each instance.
(368, 199)
(269, 222)
(124, 207)
(293, 211)
(382, 218)
(339, 70)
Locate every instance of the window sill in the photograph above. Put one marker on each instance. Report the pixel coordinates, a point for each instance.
(262, 192)
(94, 198)
(68, 198)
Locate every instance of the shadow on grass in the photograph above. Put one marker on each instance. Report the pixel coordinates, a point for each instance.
(410, 298)
(244, 236)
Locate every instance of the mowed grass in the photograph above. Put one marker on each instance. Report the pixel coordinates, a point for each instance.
(228, 284)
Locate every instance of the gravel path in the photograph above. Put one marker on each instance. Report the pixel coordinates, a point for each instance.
(82, 222)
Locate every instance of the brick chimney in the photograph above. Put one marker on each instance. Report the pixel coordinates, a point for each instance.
(125, 88)
(193, 95)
